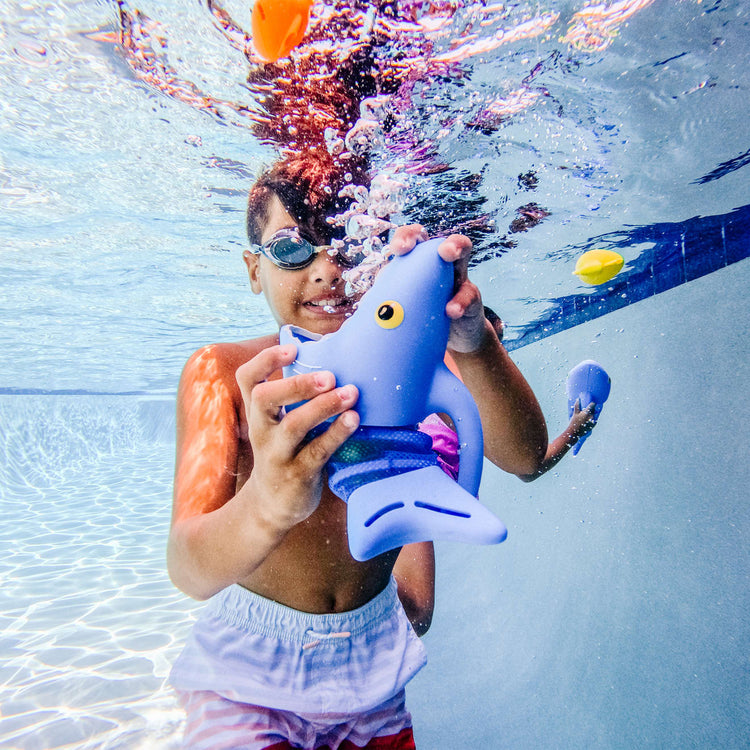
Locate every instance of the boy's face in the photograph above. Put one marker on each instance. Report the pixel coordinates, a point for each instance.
(312, 297)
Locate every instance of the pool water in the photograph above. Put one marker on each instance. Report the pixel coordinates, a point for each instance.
(616, 613)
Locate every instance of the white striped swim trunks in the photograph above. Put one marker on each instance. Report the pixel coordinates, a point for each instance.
(215, 723)
(325, 669)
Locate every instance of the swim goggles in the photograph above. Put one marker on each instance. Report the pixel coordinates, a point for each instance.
(288, 250)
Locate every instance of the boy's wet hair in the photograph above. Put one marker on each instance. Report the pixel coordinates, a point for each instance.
(308, 186)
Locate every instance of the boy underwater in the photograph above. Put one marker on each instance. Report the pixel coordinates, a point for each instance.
(301, 645)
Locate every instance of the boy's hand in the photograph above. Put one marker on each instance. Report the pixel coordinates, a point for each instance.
(465, 308)
(583, 420)
(287, 471)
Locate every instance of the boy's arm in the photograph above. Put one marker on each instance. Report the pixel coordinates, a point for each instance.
(219, 536)
(581, 423)
(515, 432)
(414, 572)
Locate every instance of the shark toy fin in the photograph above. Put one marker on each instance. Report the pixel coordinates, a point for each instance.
(451, 396)
(417, 506)
(290, 334)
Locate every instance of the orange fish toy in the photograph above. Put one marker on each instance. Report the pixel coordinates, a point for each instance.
(279, 26)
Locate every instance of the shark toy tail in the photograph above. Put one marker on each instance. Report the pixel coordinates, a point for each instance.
(398, 494)
(416, 506)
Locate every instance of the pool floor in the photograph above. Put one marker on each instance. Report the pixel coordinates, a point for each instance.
(90, 622)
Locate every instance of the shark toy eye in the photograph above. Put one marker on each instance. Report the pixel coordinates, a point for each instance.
(390, 314)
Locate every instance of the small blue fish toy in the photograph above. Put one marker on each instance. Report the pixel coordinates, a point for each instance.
(392, 349)
(588, 382)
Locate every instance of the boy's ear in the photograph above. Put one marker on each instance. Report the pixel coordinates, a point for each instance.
(252, 261)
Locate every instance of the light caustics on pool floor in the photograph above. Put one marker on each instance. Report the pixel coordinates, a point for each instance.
(89, 622)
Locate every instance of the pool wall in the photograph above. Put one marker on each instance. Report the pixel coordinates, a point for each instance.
(669, 254)
(616, 614)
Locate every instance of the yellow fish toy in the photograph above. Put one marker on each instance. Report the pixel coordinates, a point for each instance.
(598, 266)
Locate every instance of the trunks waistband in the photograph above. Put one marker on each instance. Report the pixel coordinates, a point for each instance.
(253, 613)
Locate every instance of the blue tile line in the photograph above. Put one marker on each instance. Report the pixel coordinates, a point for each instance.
(680, 252)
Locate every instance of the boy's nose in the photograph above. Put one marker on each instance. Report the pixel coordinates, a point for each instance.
(325, 269)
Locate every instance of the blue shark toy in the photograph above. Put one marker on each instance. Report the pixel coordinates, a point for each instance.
(587, 381)
(392, 349)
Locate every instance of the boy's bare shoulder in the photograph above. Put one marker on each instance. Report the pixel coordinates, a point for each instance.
(220, 361)
(232, 354)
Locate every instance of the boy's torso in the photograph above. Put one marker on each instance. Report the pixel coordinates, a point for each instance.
(312, 569)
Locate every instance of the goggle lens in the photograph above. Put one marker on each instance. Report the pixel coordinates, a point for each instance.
(349, 256)
(290, 252)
